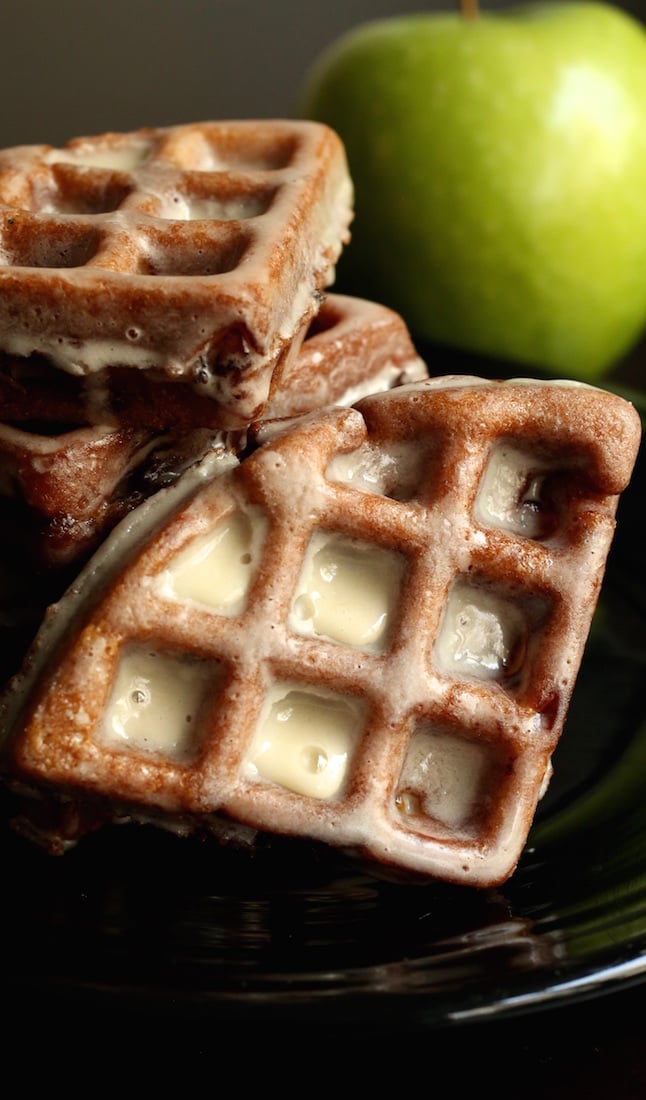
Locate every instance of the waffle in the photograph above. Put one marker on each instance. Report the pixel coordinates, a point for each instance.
(167, 272)
(64, 489)
(366, 633)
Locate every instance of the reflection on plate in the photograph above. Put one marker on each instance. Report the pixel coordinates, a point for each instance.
(296, 931)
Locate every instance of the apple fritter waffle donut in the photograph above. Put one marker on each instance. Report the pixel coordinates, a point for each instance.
(190, 256)
(367, 632)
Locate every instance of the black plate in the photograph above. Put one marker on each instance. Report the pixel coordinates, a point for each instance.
(298, 932)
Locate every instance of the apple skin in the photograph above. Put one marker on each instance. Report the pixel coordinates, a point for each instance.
(499, 165)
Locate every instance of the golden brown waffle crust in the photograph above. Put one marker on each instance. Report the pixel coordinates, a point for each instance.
(414, 684)
(196, 251)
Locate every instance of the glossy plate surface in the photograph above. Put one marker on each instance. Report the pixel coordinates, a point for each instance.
(298, 932)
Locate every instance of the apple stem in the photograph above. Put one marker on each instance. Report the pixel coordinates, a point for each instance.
(470, 9)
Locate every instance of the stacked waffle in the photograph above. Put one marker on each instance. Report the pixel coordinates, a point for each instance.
(327, 596)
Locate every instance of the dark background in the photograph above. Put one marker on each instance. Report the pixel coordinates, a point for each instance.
(72, 67)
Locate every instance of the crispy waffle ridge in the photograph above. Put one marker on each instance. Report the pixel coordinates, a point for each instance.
(366, 633)
(189, 254)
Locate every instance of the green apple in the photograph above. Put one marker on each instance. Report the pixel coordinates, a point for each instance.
(499, 163)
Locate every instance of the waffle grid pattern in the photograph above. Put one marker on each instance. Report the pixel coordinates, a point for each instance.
(398, 691)
(197, 250)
